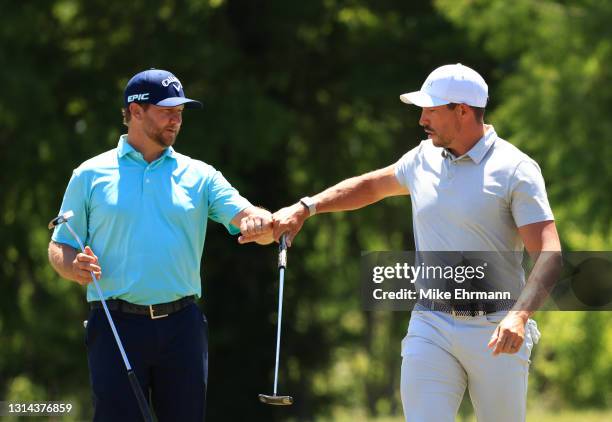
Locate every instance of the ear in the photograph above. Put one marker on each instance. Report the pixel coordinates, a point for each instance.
(136, 110)
(464, 110)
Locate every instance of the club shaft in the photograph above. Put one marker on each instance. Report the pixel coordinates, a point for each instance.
(112, 324)
(108, 316)
(142, 402)
(278, 325)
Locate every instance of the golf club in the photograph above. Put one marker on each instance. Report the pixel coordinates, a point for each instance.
(142, 403)
(275, 399)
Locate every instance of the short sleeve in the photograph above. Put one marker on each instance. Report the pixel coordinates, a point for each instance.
(224, 202)
(404, 168)
(76, 199)
(529, 202)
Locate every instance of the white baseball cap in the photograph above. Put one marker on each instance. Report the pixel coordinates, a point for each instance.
(452, 83)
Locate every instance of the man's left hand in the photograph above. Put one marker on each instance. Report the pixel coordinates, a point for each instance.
(509, 335)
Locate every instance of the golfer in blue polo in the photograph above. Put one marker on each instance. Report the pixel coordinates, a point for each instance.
(143, 209)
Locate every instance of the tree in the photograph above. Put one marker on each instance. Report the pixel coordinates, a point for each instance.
(552, 101)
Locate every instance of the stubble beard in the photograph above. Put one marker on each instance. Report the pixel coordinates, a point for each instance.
(162, 137)
(440, 142)
(436, 139)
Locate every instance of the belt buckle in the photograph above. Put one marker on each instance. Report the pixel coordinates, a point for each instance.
(459, 314)
(153, 316)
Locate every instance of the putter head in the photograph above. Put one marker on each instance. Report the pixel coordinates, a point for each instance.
(60, 219)
(276, 400)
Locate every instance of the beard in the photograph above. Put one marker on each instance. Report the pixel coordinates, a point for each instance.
(164, 137)
(436, 139)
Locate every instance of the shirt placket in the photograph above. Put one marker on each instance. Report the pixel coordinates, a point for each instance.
(146, 178)
(148, 186)
(452, 169)
(449, 169)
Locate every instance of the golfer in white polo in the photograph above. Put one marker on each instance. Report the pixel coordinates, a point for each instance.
(470, 191)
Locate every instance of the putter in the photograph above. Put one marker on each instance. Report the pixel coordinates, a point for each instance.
(275, 399)
(142, 403)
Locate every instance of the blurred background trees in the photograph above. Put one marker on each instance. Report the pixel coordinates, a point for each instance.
(298, 95)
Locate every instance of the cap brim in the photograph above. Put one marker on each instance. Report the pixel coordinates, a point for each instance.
(422, 99)
(176, 101)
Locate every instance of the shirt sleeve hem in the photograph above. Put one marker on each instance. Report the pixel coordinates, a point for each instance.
(230, 227)
(538, 219)
(67, 241)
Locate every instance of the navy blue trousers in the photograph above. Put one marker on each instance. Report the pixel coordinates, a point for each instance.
(168, 355)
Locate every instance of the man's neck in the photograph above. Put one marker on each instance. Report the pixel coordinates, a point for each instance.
(149, 149)
(468, 139)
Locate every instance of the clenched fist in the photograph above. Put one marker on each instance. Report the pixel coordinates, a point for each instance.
(83, 265)
(256, 227)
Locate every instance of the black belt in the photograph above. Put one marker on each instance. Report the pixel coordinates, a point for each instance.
(159, 310)
(468, 309)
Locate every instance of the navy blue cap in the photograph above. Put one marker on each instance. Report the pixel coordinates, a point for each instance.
(159, 87)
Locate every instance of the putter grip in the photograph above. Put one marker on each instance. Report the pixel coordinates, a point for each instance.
(282, 252)
(142, 402)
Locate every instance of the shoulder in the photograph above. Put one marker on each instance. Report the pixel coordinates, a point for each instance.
(424, 150)
(185, 162)
(424, 147)
(191, 170)
(510, 157)
(99, 163)
(427, 148)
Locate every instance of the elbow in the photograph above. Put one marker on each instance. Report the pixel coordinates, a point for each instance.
(552, 266)
(55, 256)
(50, 252)
(370, 191)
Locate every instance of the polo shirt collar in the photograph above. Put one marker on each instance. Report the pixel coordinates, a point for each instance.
(124, 148)
(480, 149)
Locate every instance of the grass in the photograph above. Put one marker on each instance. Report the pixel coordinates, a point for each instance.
(534, 415)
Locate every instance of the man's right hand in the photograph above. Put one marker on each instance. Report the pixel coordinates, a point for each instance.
(289, 220)
(82, 265)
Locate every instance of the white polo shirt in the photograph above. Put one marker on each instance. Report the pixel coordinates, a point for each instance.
(474, 202)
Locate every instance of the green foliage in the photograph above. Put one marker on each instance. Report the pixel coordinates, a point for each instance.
(298, 95)
(572, 364)
(552, 100)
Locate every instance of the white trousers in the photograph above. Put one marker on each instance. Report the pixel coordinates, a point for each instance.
(442, 355)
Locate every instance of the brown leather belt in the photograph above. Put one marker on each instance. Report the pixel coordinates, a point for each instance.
(159, 310)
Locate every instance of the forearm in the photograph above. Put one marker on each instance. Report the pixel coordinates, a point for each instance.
(350, 194)
(360, 191)
(541, 281)
(61, 257)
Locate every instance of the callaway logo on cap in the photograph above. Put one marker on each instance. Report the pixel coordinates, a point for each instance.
(453, 83)
(159, 87)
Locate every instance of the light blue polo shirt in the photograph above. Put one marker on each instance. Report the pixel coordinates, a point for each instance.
(146, 222)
